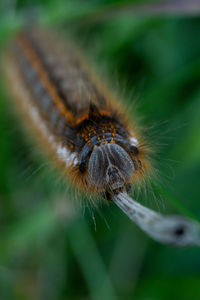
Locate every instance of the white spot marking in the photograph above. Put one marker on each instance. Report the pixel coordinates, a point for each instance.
(134, 141)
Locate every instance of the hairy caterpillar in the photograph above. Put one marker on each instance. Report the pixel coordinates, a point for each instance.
(83, 124)
(84, 127)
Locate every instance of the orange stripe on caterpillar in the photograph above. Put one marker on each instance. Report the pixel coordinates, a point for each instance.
(44, 77)
(86, 116)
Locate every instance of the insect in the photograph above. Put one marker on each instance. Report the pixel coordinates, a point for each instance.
(83, 126)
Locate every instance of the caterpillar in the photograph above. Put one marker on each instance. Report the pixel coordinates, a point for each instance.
(84, 127)
(79, 121)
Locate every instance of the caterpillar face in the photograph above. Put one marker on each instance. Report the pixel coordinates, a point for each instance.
(110, 167)
(108, 157)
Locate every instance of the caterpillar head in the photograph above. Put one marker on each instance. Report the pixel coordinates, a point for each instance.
(110, 167)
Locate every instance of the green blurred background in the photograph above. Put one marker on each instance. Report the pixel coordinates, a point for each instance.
(54, 245)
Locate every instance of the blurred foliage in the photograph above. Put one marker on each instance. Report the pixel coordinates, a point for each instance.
(52, 247)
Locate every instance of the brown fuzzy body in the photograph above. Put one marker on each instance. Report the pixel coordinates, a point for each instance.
(70, 110)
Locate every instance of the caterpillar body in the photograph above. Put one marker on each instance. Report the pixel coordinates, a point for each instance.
(84, 127)
(79, 120)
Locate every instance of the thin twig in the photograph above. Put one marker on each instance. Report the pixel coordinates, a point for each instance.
(175, 230)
